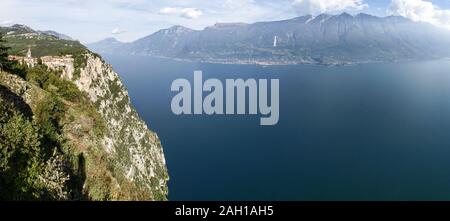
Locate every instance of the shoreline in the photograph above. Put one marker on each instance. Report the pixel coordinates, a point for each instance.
(278, 63)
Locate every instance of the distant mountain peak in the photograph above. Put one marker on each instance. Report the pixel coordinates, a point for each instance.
(179, 28)
(323, 39)
(364, 15)
(324, 15)
(110, 39)
(301, 19)
(21, 27)
(106, 45)
(174, 30)
(321, 18)
(345, 14)
(57, 35)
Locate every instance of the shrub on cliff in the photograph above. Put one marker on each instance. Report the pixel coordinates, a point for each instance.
(11, 66)
(31, 166)
(50, 81)
(19, 159)
(3, 54)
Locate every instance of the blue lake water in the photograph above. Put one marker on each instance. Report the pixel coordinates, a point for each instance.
(364, 132)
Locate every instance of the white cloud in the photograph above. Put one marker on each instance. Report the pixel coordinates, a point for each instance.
(90, 21)
(304, 7)
(420, 10)
(168, 11)
(189, 13)
(117, 31)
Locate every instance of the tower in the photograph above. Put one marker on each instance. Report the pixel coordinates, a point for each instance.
(29, 52)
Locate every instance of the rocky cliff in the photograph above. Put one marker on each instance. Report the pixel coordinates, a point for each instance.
(136, 149)
(72, 133)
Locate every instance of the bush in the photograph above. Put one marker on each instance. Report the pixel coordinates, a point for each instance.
(3, 53)
(11, 66)
(48, 115)
(31, 165)
(24, 173)
(16, 68)
(50, 81)
(19, 160)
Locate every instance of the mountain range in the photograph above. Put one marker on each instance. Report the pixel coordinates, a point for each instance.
(19, 29)
(323, 39)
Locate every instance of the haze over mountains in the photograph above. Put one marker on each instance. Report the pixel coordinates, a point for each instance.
(323, 39)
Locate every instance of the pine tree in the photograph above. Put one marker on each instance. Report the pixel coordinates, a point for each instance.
(12, 67)
(3, 54)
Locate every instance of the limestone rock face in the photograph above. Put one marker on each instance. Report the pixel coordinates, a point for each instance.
(112, 151)
(136, 150)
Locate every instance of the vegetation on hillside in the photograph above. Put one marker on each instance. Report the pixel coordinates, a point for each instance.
(7, 65)
(40, 45)
(20, 38)
(41, 156)
(53, 138)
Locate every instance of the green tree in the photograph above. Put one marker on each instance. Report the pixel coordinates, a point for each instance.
(19, 160)
(10, 66)
(48, 115)
(3, 54)
(51, 81)
(30, 167)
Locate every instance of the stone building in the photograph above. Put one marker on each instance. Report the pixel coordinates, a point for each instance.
(60, 63)
(28, 59)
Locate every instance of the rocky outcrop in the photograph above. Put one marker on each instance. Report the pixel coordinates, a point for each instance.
(137, 151)
(109, 151)
(64, 64)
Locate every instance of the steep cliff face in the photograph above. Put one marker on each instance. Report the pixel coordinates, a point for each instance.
(105, 151)
(137, 151)
(84, 128)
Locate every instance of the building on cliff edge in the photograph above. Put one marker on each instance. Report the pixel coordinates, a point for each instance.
(64, 63)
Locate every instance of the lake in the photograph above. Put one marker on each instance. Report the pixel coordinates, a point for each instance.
(363, 132)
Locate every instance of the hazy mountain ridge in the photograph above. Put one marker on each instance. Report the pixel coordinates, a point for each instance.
(20, 37)
(58, 35)
(108, 45)
(324, 39)
(19, 29)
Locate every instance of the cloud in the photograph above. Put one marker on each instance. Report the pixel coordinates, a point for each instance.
(168, 11)
(117, 31)
(304, 7)
(189, 13)
(420, 10)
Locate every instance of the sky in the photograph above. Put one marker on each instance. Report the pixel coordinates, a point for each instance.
(128, 20)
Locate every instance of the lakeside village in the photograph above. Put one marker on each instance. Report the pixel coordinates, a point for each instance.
(64, 63)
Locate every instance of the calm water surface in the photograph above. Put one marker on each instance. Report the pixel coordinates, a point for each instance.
(365, 132)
